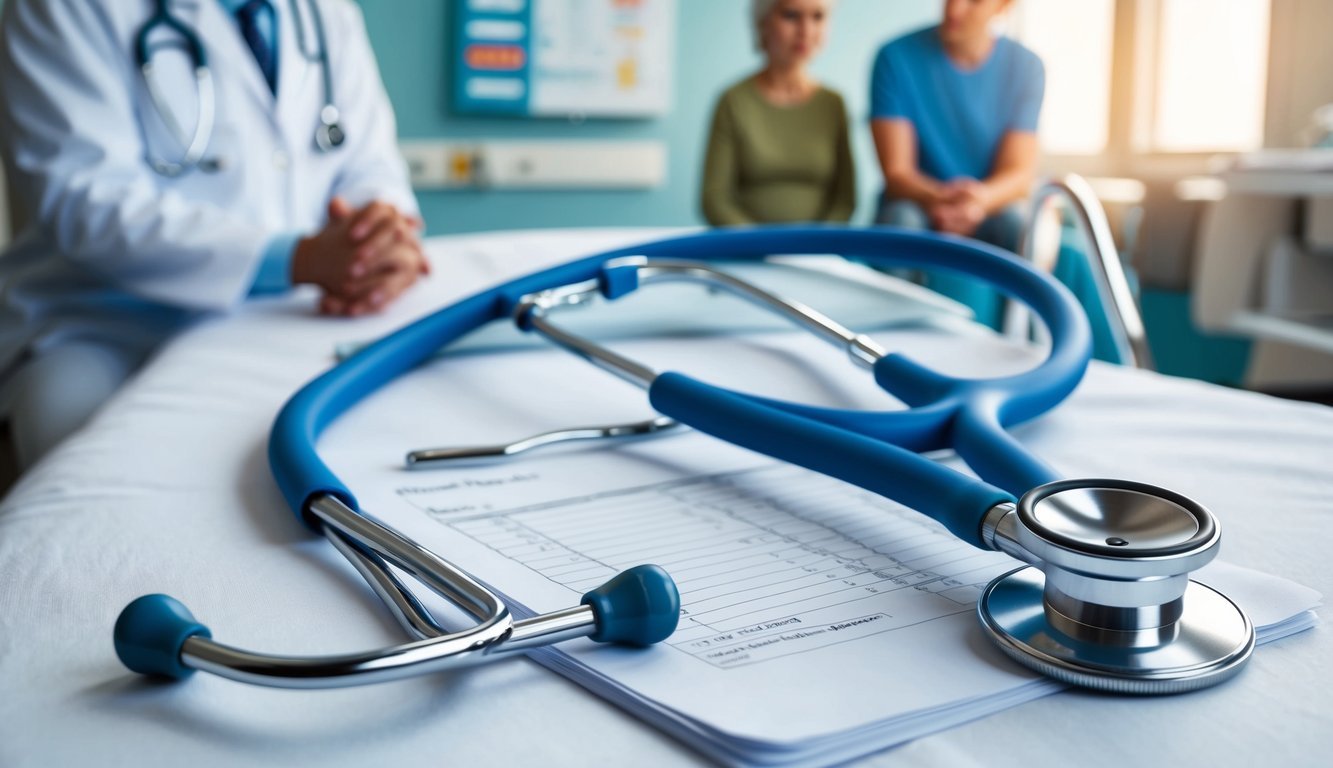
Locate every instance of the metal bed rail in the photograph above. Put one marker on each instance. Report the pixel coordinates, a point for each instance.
(1123, 317)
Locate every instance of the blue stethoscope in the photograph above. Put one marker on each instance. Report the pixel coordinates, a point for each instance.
(1105, 600)
(329, 134)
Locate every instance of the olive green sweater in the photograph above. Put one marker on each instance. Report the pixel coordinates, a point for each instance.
(769, 163)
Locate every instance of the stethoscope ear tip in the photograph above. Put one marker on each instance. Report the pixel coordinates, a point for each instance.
(150, 633)
(639, 606)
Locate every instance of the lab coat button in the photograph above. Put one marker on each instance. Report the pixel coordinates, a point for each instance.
(281, 160)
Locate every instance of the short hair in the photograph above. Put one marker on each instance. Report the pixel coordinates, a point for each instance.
(759, 10)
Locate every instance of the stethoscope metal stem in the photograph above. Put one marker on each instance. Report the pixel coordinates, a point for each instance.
(430, 458)
(555, 627)
(429, 568)
(426, 656)
(401, 602)
(372, 547)
(532, 313)
(863, 350)
(381, 544)
(439, 575)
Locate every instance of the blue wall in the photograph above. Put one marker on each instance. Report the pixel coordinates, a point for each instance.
(713, 49)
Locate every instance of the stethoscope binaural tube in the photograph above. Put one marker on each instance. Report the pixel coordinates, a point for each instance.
(157, 635)
(196, 145)
(300, 472)
(329, 133)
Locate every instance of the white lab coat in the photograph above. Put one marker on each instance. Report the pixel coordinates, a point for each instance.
(110, 249)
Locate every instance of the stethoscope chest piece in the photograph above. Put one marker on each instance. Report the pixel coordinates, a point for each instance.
(1109, 604)
(329, 135)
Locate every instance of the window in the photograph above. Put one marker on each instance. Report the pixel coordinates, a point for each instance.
(1076, 113)
(1211, 69)
(1135, 78)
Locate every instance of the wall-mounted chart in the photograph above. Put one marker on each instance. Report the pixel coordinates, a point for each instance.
(557, 58)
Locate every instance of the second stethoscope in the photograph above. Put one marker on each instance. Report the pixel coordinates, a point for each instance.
(329, 134)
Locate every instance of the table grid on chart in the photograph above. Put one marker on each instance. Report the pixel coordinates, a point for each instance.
(753, 552)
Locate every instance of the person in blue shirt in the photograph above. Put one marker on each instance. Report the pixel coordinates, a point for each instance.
(954, 113)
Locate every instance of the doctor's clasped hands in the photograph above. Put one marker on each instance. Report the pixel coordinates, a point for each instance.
(362, 259)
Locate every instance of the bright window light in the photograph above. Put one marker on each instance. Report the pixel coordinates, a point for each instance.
(1074, 41)
(1212, 65)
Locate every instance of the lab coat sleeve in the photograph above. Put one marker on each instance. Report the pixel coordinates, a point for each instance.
(373, 168)
(76, 155)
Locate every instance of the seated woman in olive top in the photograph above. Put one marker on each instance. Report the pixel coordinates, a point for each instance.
(779, 149)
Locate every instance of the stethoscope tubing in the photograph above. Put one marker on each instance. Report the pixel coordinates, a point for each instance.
(1092, 569)
(953, 498)
(162, 17)
(329, 134)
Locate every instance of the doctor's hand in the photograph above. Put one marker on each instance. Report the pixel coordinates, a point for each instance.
(375, 229)
(362, 259)
(388, 257)
(397, 268)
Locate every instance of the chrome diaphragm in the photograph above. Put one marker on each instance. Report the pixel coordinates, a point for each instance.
(1107, 601)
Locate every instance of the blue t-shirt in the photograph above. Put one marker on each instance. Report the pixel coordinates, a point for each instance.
(959, 115)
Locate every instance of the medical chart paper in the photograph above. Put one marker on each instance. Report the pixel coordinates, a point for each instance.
(819, 621)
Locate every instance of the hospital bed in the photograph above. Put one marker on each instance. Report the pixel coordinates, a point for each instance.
(168, 489)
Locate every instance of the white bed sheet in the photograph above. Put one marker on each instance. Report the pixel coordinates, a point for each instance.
(168, 490)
